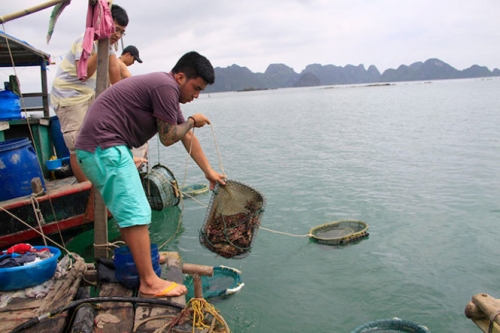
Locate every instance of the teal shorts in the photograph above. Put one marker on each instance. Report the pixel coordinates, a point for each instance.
(113, 173)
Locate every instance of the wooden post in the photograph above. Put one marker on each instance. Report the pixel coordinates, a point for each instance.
(483, 306)
(197, 271)
(101, 212)
(45, 92)
(31, 10)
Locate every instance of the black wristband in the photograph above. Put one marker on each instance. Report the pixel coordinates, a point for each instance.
(194, 121)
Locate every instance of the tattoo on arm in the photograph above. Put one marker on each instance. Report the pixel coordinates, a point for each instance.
(170, 134)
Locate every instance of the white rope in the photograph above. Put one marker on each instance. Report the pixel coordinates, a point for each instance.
(218, 152)
(35, 230)
(39, 216)
(284, 233)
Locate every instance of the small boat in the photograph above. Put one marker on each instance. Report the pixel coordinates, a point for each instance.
(339, 232)
(64, 203)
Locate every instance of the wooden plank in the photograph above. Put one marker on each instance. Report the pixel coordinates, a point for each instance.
(115, 317)
(484, 325)
(149, 317)
(62, 293)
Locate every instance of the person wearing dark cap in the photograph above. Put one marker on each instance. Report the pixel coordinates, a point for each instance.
(129, 55)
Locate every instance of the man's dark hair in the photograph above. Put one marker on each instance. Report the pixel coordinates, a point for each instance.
(119, 15)
(193, 64)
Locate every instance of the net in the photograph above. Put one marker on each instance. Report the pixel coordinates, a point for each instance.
(339, 232)
(161, 188)
(194, 189)
(232, 219)
(225, 281)
(394, 325)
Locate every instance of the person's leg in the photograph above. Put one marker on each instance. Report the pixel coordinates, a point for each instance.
(137, 239)
(75, 168)
(113, 172)
(71, 119)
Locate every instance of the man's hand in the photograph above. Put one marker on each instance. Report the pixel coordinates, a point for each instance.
(199, 119)
(214, 178)
(139, 161)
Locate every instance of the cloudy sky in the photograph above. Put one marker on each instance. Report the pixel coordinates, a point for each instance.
(254, 34)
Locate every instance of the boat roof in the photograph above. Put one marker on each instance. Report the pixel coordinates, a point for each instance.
(23, 53)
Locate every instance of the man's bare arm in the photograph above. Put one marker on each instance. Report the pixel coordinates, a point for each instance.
(170, 134)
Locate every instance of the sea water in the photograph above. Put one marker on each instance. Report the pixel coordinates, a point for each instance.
(418, 161)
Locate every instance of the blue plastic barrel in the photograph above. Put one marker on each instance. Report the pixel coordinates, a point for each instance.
(10, 108)
(18, 166)
(57, 138)
(125, 269)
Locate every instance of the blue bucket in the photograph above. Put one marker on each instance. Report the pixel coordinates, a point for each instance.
(18, 166)
(125, 270)
(10, 108)
(57, 138)
(29, 275)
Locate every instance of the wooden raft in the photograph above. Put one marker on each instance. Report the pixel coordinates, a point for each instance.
(484, 311)
(110, 317)
(121, 317)
(21, 310)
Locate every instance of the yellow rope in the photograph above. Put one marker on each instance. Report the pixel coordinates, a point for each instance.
(200, 307)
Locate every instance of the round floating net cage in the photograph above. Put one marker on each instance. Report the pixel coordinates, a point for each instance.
(339, 232)
(225, 281)
(394, 325)
(232, 220)
(193, 189)
(161, 187)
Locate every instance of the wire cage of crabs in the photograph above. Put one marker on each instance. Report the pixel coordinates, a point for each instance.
(161, 187)
(232, 220)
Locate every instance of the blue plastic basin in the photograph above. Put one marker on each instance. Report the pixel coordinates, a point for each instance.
(29, 275)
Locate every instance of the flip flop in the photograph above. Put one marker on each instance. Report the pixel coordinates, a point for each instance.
(162, 293)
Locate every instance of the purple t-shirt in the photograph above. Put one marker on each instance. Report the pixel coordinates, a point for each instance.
(125, 113)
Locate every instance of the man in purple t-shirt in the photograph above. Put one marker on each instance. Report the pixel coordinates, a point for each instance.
(125, 116)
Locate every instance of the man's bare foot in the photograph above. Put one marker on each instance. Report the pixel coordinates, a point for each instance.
(164, 289)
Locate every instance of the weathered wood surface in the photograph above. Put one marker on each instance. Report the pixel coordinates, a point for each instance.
(149, 317)
(483, 308)
(114, 317)
(21, 310)
(111, 317)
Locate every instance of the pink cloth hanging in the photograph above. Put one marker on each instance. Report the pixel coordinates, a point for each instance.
(99, 26)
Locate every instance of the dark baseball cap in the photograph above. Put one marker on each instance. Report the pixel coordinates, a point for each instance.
(133, 51)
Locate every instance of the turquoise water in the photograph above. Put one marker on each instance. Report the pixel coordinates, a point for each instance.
(419, 162)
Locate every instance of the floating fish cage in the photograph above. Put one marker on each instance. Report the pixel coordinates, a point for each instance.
(194, 189)
(393, 325)
(339, 232)
(161, 188)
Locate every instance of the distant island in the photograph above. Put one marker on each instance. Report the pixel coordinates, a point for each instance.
(236, 78)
